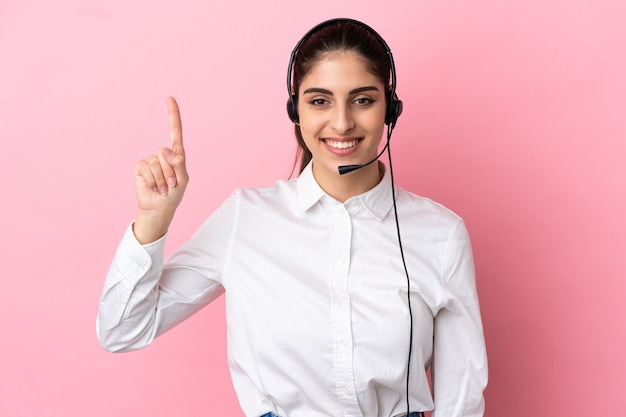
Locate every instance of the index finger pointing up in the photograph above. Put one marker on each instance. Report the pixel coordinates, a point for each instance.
(176, 127)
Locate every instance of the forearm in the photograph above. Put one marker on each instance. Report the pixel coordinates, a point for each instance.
(127, 309)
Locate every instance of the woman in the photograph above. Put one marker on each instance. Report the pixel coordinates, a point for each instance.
(327, 314)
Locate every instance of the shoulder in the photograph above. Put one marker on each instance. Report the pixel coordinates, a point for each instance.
(423, 209)
(279, 188)
(424, 220)
(281, 193)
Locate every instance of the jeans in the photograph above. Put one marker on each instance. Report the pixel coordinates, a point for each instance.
(418, 414)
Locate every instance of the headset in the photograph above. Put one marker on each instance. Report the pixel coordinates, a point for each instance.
(392, 112)
(394, 105)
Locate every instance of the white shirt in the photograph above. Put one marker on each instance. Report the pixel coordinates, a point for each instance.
(316, 303)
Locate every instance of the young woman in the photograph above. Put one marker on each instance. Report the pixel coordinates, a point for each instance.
(328, 314)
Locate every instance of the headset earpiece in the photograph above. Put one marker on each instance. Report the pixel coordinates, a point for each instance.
(292, 109)
(394, 109)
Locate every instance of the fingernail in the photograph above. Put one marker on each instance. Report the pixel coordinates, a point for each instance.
(171, 181)
(163, 190)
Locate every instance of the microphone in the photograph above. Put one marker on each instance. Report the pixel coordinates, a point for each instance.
(345, 169)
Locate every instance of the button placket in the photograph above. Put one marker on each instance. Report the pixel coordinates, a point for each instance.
(341, 315)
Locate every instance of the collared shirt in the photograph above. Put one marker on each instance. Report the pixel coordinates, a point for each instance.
(316, 301)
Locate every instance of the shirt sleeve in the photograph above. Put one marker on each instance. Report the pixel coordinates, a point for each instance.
(459, 369)
(143, 296)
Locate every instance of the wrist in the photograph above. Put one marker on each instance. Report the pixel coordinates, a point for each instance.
(150, 226)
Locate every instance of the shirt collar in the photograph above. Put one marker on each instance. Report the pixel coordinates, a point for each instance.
(378, 200)
(309, 191)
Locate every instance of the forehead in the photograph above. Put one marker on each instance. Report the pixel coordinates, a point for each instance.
(340, 70)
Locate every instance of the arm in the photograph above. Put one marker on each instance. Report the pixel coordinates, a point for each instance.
(460, 362)
(141, 299)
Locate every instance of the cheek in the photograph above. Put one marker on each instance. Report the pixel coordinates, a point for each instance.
(309, 126)
(373, 122)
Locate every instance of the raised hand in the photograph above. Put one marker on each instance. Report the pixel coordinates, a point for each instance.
(160, 183)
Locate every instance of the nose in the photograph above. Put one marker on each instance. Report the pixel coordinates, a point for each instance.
(342, 120)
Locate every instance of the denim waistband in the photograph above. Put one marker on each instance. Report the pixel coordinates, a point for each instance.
(416, 414)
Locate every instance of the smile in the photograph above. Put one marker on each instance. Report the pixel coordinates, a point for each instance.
(337, 144)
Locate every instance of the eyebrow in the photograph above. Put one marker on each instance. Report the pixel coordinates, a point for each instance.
(330, 93)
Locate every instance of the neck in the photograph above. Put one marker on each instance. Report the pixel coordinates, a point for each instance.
(343, 187)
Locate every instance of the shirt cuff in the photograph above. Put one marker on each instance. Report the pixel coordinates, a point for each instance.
(134, 259)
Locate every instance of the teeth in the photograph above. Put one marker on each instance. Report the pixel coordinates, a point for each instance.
(342, 145)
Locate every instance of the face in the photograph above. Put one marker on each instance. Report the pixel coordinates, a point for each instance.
(342, 115)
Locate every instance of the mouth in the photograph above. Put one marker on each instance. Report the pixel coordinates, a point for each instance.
(342, 143)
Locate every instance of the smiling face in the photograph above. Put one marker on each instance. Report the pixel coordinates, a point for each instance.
(342, 114)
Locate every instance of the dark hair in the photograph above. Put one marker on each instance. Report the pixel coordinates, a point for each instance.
(337, 36)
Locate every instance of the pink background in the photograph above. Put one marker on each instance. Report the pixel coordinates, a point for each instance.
(515, 118)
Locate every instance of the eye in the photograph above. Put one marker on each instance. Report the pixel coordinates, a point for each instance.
(318, 101)
(363, 101)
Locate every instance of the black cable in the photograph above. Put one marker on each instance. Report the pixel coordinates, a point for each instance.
(406, 271)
